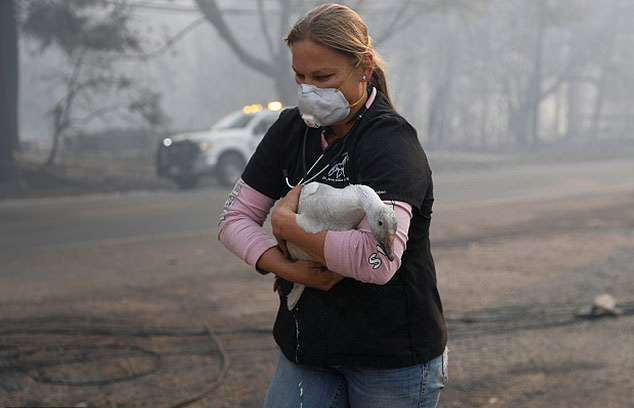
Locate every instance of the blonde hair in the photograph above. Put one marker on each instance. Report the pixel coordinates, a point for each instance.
(342, 29)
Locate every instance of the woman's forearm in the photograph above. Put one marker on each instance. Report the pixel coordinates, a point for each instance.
(312, 244)
(273, 261)
(309, 273)
(240, 224)
(285, 228)
(240, 230)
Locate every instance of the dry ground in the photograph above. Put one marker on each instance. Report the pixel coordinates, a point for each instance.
(181, 322)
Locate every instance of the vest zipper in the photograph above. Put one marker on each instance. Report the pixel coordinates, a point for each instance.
(296, 316)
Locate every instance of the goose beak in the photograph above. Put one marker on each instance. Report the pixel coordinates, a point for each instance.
(387, 246)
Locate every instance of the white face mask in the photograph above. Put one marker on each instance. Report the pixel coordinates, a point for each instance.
(323, 106)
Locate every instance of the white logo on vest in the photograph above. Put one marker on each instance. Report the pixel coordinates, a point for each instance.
(337, 172)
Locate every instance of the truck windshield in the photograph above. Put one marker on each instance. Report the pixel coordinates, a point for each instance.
(234, 120)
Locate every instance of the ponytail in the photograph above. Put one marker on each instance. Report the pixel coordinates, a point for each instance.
(379, 79)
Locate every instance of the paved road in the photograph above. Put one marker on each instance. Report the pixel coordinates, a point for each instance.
(526, 182)
(113, 314)
(33, 223)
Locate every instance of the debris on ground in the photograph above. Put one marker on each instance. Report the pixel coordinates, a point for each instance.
(603, 305)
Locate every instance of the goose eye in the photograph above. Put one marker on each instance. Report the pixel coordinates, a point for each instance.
(380, 223)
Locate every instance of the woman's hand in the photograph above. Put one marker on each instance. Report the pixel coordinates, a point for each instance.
(283, 215)
(309, 273)
(314, 275)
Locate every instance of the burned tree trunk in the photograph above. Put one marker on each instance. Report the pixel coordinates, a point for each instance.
(8, 90)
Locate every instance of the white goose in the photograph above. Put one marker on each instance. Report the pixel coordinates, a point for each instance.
(323, 207)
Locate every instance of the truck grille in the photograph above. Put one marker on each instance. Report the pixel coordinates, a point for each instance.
(180, 153)
(178, 157)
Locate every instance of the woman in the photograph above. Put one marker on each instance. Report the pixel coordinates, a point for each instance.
(367, 331)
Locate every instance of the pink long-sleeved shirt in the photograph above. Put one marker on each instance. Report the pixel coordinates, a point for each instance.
(353, 253)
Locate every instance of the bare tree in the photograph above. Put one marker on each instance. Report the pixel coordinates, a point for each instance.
(502, 63)
(89, 39)
(276, 65)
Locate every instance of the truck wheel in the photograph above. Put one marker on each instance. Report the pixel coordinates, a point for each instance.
(230, 167)
(187, 182)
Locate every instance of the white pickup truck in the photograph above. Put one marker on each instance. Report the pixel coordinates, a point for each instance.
(221, 151)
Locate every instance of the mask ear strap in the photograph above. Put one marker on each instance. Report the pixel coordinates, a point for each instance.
(348, 77)
(357, 102)
(350, 74)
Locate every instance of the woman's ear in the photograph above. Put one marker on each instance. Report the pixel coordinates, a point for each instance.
(368, 66)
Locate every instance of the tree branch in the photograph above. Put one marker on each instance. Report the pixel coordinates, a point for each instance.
(95, 115)
(170, 41)
(402, 18)
(212, 13)
(285, 16)
(393, 25)
(264, 28)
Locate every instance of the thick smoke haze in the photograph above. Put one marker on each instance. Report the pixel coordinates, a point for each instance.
(478, 74)
(115, 290)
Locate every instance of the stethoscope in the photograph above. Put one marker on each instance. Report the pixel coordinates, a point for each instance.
(304, 180)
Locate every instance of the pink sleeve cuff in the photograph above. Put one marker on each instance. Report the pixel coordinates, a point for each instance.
(240, 223)
(354, 253)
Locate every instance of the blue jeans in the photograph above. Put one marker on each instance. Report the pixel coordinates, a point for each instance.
(300, 386)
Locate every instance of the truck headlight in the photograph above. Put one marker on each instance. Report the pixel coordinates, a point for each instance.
(167, 142)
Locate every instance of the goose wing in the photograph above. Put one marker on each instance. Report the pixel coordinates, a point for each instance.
(310, 208)
(323, 207)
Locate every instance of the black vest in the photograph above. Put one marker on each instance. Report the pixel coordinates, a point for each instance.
(394, 325)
